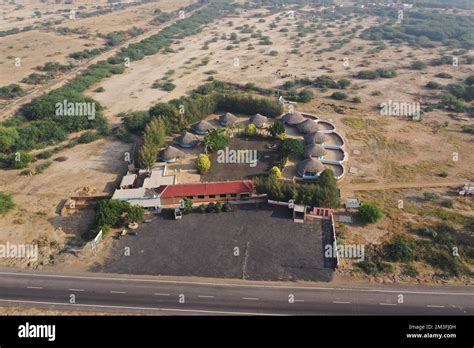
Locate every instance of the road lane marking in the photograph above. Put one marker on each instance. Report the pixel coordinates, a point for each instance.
(76, 289)
(205, 296)
(233, 285)
(387, 304)
(250, 298)
(435, 306)
(299, 300)
(35, 287)
(144, 308)
(342, 302)
(158, 294)
(118, 292)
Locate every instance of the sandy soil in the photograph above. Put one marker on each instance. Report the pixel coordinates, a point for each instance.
(91, 169)
(35, 48)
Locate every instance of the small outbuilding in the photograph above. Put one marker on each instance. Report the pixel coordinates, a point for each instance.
(171, 154)
(187, 140)
(202, 127)
(314, 150)
(228, 119)
(310, 168)
(308, 126)
(315, 138)
(258, 120)
(293, 118)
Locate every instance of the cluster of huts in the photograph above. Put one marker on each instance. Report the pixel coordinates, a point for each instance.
(190, 139)
(314, 138)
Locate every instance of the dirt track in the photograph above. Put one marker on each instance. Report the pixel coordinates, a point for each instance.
(13, 106)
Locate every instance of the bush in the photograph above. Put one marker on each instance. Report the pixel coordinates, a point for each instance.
(6, 203)
(339, 96)
(42, 167)
(203, 164)
(369, 213)
(88, 137)
(11, 91)
(45, 155)
(356, 99)
(250, 130)
(21, 160)
(448, 263)
(277, 128)
(409, 271)
(400, 250)
(374, 267)
(99, 90)
(275, 172)
(418, 65)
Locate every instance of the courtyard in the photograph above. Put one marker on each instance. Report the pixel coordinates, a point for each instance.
(254, 241)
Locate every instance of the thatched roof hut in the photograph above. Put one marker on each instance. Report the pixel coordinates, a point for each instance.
(258, 120)
(315, 138)
(308, 126)
(314, 150)
(310, 167)
(171, 154)
(187, 139)
(202, 127)
(228, 119)
(293, 118)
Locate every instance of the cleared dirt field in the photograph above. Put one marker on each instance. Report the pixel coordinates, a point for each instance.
(91, 169)
(135, 16)
(35, 48)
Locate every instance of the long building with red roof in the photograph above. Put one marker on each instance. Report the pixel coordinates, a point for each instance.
(207, 192)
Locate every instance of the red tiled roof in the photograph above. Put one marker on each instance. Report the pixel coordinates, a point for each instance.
(208, 188)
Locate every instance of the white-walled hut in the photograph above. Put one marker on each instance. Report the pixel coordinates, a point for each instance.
(310, 168)
(202, 127)
(314, 150)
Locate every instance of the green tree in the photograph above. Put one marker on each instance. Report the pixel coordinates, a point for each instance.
(369, 213)
(147, 156)
(203, 164)
(108, 213)
(188, 205)
(216, 140)
(135, 214)
(291, 146)
(277, 128)
(8, 138)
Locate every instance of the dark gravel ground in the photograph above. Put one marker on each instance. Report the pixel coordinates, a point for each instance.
(271, 246)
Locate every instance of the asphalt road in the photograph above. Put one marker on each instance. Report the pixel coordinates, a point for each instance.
(131, 294)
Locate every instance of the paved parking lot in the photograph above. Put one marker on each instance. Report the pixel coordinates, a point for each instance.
(252, 242)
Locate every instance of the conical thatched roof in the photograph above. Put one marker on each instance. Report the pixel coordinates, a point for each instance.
(293, 118)
(202, 126)
(228, 119)
(308, 126)
(258, 120)
(315, 138)
(171, 153)
(314, 150)
(310, 165)
(187, 138)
